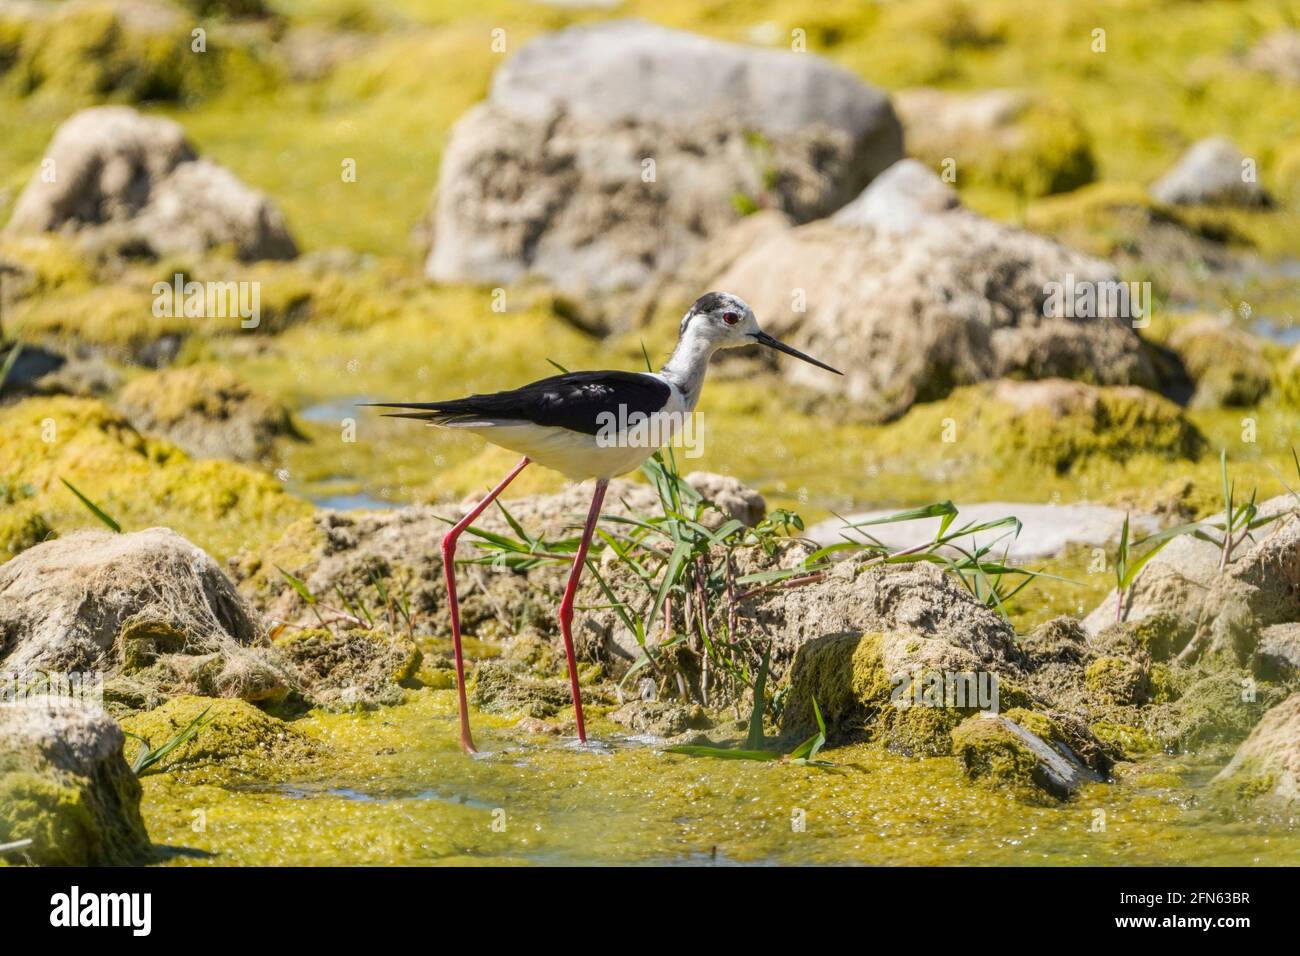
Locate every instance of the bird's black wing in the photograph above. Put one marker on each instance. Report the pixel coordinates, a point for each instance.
(574, 400)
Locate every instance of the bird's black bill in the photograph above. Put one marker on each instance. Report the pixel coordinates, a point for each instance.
(765, 339)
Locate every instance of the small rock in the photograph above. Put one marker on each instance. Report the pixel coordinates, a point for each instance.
(498, 690)
(1227, 364)
(1212, 171)
(127, 605)
(1118, 679)
(344, 668)
(209, 412)
(235, 737)
(1278, 55)
(899, 199)
(1173, 585)
(539, 727)
(659, 718)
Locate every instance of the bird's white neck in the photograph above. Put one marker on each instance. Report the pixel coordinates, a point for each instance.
(689, 363)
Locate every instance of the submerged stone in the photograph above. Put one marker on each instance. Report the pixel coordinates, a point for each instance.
(660, 718)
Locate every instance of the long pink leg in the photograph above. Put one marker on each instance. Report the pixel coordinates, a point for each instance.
(449, 568)
(570, 592)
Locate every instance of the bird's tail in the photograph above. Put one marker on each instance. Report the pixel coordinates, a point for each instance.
(455, 413)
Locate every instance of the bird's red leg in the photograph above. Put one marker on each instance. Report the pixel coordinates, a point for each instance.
(570, 592)
(449, 568)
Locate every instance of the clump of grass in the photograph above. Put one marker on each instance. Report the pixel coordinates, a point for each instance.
(681, 562)
(149, 757)
(1227, 532)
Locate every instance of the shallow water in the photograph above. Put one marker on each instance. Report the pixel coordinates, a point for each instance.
(395, 789)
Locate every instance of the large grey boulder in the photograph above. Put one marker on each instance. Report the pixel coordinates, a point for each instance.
(914, 297)
(67, 796)
(1211, 171)
(550, 175)
(121, 180)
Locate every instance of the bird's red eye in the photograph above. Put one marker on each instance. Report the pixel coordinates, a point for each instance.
(731, 318)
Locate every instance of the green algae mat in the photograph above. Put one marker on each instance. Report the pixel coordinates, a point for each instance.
(392, 787)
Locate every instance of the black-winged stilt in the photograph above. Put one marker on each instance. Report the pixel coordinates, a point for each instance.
(578, 424)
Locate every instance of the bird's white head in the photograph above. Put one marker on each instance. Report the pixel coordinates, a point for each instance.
(720, 320)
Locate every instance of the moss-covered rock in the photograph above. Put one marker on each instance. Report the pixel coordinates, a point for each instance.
(1118, 679)
(1158, 636)
(1210, 709)
(134, 51)
(209, 412)
(1228, 365)
(1267, 765)
(660, 718)
(498, 690)
(998, 751)
(1123, 741)
(139, 481)
(1004, 138)
(22, 524)
(903, 690)
(1057, 424)
(65, 786)
(1290, 377)
(234, 737)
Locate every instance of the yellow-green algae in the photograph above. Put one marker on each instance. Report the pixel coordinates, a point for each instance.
(236, 737)
(394, 788)
(93, 52)
(140, 481)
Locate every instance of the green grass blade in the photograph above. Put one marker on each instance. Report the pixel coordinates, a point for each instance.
(93, 508)
(298, 585)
